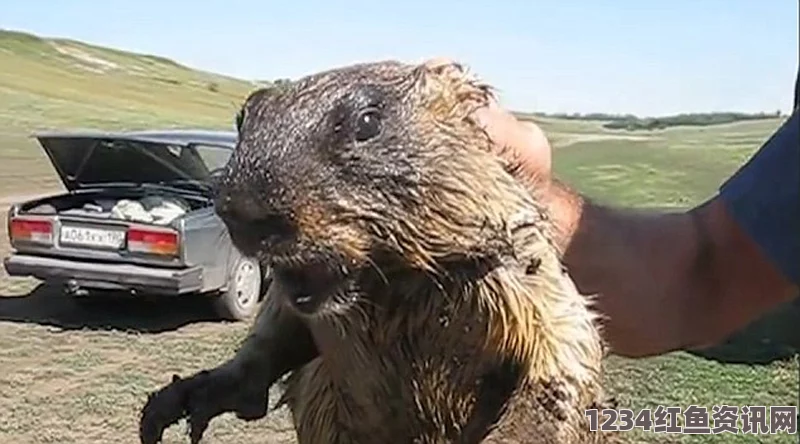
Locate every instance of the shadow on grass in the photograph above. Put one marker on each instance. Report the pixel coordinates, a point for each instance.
(774, 337)
(49, 306)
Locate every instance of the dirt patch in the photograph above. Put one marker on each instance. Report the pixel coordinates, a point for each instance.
(79, 374)
(85, 60)
(573, 138)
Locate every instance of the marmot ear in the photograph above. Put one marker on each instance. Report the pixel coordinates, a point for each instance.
(440, 65)
(443, 72)
(449, 88)
(256, 96)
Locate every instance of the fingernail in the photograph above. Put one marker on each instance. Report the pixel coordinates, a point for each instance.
(479, 116)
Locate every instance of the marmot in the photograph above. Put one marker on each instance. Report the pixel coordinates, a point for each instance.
(417, 297)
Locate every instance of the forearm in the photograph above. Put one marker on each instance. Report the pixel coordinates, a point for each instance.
(664, 281)
(278, 341)
(634, 263)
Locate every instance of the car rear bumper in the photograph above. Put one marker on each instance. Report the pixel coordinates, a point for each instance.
(107, 276)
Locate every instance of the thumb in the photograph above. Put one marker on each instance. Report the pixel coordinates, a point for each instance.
(533, 147)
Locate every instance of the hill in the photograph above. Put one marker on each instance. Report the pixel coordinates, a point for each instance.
(58, 82)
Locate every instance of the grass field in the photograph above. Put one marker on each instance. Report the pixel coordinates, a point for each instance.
(71, 375)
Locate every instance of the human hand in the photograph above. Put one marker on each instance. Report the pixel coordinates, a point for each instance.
(517, 141)
(526, 145)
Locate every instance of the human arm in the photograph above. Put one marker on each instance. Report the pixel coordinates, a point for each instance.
(669, 281)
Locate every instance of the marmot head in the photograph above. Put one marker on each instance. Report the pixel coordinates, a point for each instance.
(368, 167)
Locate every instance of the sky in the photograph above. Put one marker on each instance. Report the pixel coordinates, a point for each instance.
(622, 56)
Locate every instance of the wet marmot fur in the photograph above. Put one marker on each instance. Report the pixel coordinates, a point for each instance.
(417, 296)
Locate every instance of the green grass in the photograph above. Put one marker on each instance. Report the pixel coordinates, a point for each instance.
(681, 167)
(69, 376)
(676, 167)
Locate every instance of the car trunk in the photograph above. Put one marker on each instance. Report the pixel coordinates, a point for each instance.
(141, 204)
(125, 202)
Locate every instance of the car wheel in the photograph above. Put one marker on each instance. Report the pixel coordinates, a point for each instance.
(242, 296)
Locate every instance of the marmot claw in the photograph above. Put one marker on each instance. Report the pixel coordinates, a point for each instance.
(199, 399)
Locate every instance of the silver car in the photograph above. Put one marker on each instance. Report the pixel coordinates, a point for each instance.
(137, 217)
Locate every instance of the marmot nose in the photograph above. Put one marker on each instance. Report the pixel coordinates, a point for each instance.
(253, 226)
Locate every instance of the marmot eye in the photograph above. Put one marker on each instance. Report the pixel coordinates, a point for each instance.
(368, 125)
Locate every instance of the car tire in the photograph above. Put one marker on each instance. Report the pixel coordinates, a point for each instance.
(242, 296)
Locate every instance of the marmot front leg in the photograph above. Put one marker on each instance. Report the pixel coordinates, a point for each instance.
(277, 343)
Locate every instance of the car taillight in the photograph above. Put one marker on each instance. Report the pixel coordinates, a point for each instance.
(31, 230)
(153, 241)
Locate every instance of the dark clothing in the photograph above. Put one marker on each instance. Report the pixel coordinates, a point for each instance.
(764, 197)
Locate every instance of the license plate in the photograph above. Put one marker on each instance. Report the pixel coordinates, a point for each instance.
(92, 237)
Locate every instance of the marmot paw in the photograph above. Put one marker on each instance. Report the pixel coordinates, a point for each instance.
(199, 399)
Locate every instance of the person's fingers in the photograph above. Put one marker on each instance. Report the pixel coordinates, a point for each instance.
(499, 124)
(516, 140)
(505, 129)
(534, 149)
(529, 134)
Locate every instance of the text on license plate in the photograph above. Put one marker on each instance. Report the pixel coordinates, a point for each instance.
(92, 237)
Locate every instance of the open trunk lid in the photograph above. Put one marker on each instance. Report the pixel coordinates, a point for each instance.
(172, 158)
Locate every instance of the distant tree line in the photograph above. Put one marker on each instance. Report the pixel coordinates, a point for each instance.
(691, 119)
(631, 122)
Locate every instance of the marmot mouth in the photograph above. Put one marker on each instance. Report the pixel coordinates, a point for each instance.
(309, 284)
